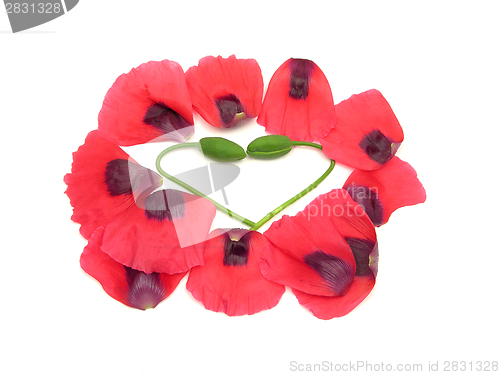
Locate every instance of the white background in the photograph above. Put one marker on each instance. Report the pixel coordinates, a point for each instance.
(436, 297)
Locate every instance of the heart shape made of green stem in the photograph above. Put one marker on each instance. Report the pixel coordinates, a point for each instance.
(223, 150)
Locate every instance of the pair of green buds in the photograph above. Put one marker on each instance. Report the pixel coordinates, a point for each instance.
(266, 147)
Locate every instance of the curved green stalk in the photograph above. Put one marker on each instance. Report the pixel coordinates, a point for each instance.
(310, 144)
(193, 190)
(251, 224)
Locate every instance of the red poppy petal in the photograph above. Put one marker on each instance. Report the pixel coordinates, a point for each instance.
(334, 307)
(130, 287)
(367, 133)
(226, 91)
(230, 280)
(166, 239)
(151, 102)
(298, 102)
(300, 255)
(97, 197)
(382, 191)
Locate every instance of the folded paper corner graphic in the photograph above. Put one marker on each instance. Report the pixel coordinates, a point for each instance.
(27, 14)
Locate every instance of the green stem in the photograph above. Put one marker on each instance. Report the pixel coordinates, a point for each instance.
(191, 189)
(277, 210)
(310, 144)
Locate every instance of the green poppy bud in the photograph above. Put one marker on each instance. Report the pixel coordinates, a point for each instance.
(221, 149)
(269, 147)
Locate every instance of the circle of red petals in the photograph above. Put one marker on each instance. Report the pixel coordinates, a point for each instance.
(142, 241)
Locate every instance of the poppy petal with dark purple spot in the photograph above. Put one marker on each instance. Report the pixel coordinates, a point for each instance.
(226, 91)
(230, 280)
(298, 102)
(367, 134)
(104, 182)
(301, 256)
(128, 286)
(366, 256)
(149, 103)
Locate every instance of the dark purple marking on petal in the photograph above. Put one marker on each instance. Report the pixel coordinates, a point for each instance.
(165, 204)
(228, 106)
(361, 249)
(337, 273)
(165, 119)
(378, 147)
(236, 252)
(300, 78)
(145, 290)
(117, 177)
(123, 177)
(368, 200)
